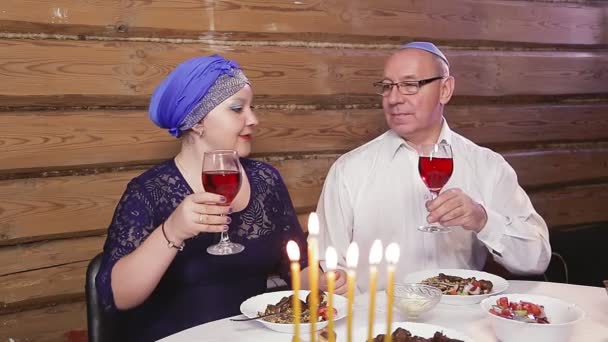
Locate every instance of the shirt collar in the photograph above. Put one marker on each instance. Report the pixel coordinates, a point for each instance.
(446, 133)
(396, 142)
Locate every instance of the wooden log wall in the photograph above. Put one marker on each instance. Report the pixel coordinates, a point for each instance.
(76, 76)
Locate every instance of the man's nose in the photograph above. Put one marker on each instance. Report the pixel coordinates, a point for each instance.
(394, 96)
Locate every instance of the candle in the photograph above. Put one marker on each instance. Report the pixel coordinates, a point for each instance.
(313, 271)
(293, 251)
(375, 256)
(331, 261)
(392, 256)
(352, 258)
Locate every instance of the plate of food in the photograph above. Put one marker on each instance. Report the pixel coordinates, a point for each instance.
(408, 331)
(278, 312)
(459, 286)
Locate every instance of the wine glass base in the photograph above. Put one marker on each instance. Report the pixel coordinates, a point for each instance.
(225, 248)
(434, 229)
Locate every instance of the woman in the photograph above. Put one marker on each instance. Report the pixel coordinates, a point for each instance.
(154, 288)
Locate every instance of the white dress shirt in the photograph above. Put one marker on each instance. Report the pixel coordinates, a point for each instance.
(375, 192)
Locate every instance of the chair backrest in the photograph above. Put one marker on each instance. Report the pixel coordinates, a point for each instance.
(101, 328)
(557, 271)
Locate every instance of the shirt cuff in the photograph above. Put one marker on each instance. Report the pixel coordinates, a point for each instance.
(492, 233)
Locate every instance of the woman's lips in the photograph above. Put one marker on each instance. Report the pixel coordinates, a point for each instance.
(246, 137)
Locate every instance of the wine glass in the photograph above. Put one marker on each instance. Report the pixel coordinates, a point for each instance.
(222, 176)
(435, 165)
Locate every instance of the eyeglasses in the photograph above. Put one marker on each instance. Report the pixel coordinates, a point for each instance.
(405, 87)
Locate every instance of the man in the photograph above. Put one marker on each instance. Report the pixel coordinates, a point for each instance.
(375, 191)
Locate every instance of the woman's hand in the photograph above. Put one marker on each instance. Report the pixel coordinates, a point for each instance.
(341, 286)
(198, 212)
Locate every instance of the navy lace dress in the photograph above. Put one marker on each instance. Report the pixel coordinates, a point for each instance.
(199, 287)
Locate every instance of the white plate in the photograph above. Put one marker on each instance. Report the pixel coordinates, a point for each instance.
(253, 305)
(418, 329)
(499, 284)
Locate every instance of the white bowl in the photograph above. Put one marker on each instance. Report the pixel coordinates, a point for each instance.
(412, 300)
(253, 305)
(499, 284)
(562, 317)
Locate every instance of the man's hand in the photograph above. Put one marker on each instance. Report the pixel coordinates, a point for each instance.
(455, 208)
(341, 286)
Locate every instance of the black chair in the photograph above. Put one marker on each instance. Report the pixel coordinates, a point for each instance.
(101, 328)
(583, 249)
(557, 271)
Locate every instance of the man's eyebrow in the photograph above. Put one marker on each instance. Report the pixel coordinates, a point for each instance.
(408, 78)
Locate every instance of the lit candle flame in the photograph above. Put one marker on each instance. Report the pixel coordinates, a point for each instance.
(352, 255)
(313, 224)
(331, 259)
(293, 251)
(375, 253)
(392, 253)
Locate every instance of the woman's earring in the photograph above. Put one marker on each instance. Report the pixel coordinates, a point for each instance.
(200, 129)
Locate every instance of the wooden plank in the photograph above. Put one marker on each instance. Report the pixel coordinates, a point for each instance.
(475, 20)
(46, 140)
(572, 205)
(304, 178)
(39, 140)
(37, 209)
(316, 130)
(54, 207)
(50, 324)
(569, 165)
(39, 255)
(517, 73)
(509, 125)
(125, 73)
(45, 287)
(67, 138)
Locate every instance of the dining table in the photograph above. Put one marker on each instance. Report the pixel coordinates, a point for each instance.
(470, 319)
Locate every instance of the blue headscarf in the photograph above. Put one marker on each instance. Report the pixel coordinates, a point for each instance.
(178, 94)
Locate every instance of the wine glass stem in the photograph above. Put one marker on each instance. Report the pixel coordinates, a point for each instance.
(434, 194)
(224, 237)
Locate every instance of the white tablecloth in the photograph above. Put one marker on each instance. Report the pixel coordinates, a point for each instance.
(468, 319)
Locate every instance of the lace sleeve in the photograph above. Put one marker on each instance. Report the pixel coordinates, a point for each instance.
(133, 221)
(291, 230)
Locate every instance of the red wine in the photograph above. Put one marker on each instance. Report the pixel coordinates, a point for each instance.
(222, 182)
(435, 172)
